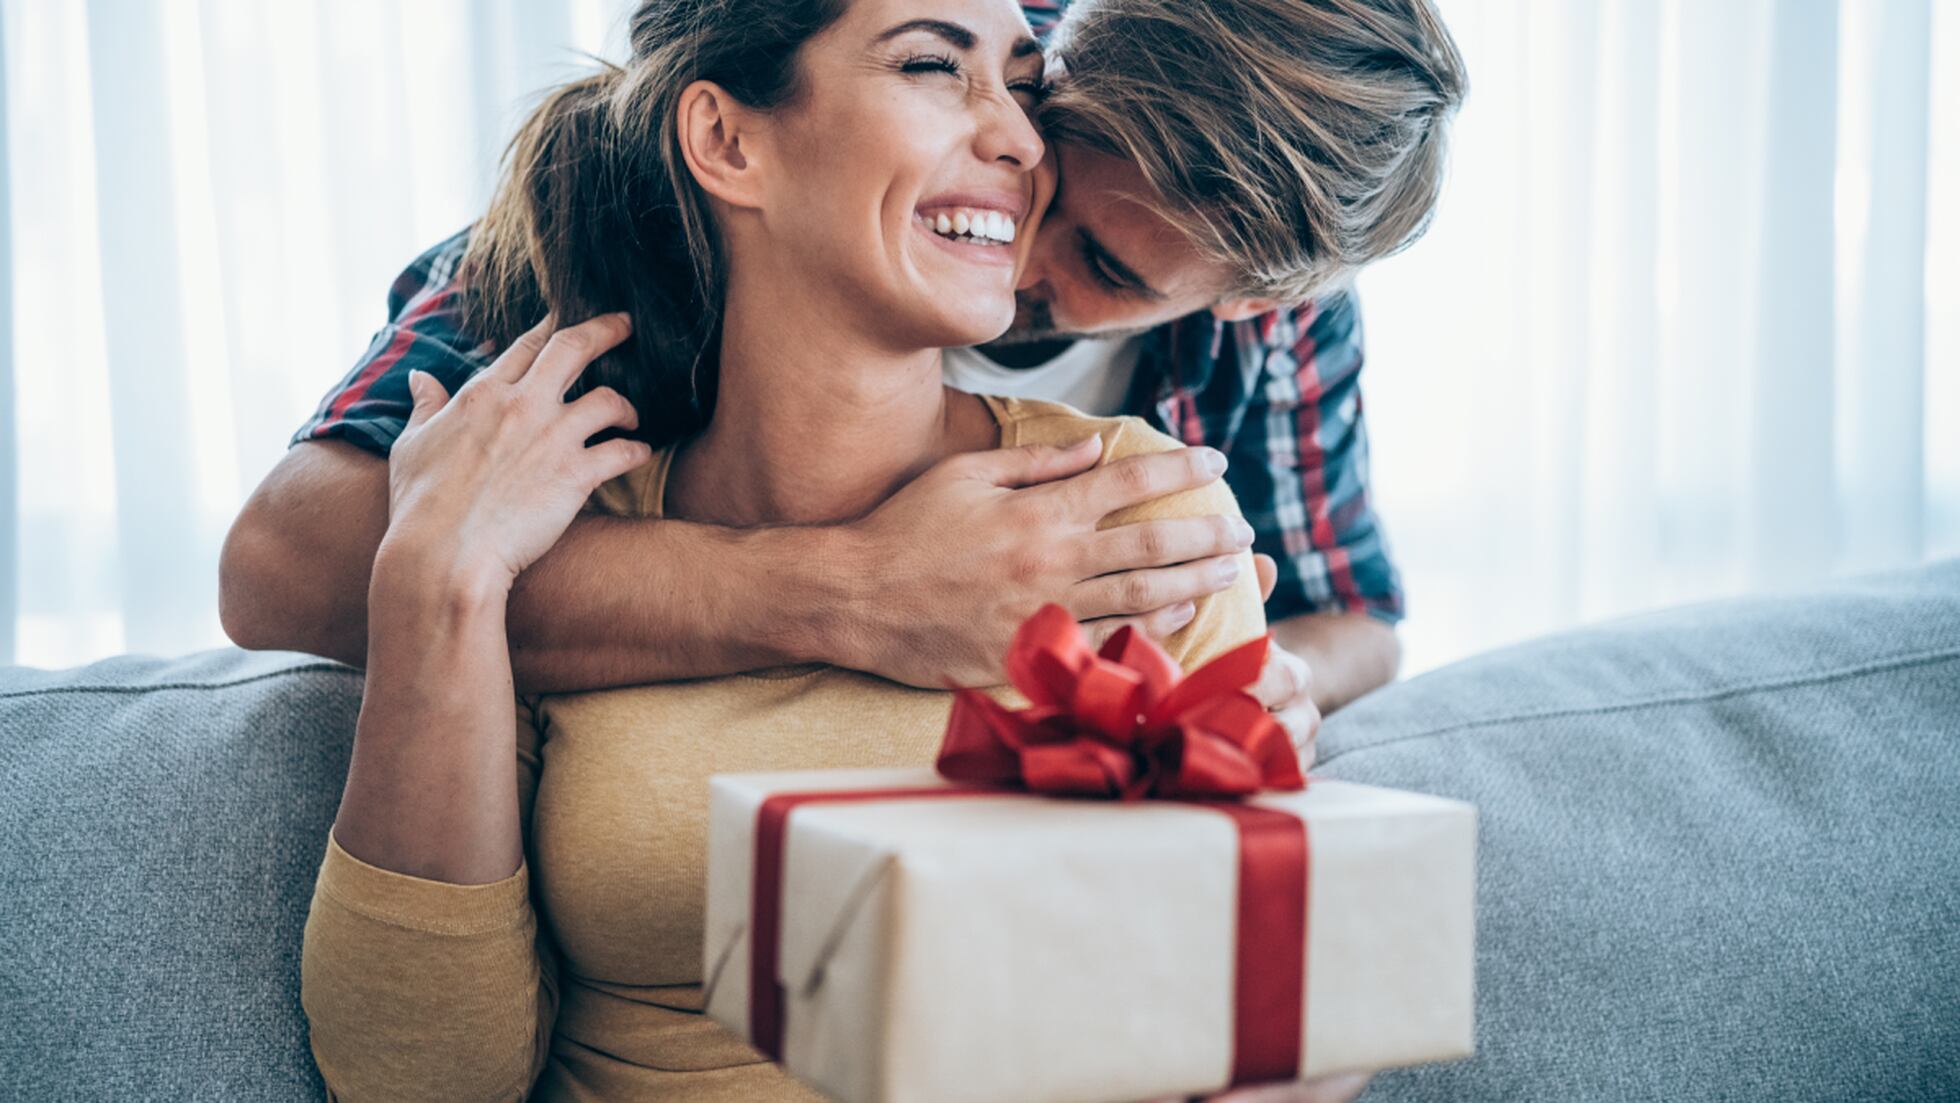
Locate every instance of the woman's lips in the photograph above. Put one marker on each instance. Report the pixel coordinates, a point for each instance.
(978, 222)
(967, 248)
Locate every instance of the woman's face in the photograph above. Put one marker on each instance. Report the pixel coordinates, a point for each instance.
(902, 178)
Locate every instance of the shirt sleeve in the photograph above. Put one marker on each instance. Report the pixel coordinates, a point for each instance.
(420, 989)
(1300, 465)
(425, 332)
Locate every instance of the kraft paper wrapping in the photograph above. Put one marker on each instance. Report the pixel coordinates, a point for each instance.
(1041, 950)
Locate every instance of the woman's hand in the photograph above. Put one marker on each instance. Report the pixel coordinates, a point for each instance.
(1339, 1088)
(484, 482)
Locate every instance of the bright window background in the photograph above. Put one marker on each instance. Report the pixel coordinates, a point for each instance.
(1687, 323)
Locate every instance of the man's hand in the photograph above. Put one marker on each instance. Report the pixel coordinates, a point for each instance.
(1286, 685)
(952, 564)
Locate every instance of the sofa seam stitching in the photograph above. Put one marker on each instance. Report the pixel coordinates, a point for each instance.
(1924, 658)
(305, 668)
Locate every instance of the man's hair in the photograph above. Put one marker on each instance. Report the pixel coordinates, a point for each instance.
(1292, 140)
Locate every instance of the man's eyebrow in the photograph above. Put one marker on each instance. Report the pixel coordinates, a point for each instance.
(1122, 273)
(958, 36)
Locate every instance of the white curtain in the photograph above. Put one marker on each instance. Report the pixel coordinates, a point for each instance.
(1685, 324)
(210, 199)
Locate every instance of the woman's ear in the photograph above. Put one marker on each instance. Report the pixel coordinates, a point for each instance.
(718, 140)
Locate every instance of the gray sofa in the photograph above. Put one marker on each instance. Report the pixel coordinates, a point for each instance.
(1720, 857)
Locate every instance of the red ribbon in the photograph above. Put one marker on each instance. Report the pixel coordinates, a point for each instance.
(1121, 723)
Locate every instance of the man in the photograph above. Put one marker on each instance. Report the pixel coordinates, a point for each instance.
(1219, 161)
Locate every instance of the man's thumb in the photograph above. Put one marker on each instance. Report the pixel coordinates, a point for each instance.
(1039, 463)
(429, 396)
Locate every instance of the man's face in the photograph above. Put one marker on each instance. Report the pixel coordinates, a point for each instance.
(1105, 264)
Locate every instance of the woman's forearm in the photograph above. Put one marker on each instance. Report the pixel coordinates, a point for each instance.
(432, 788)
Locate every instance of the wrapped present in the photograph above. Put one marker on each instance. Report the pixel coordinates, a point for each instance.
(1124, 891)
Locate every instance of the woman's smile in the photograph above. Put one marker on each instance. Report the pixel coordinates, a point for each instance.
(977, 226)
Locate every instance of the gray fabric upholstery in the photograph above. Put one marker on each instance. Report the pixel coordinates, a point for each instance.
(1720, 857)
(1719, 848)
(160, 826)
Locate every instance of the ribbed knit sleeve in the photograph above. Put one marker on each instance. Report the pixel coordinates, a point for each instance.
(420, 989)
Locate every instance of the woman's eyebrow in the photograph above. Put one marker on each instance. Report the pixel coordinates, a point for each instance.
(959, 37)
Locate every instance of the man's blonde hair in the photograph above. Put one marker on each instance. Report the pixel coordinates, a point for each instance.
(1292, 140)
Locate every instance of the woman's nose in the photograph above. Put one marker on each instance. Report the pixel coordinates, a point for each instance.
(1008, 134)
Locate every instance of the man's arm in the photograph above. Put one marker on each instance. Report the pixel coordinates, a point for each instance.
(1300, 468)
(1349, 654)
(625, 601)
(612, 604)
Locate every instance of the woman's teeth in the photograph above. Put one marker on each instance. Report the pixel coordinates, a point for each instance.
(973, 226)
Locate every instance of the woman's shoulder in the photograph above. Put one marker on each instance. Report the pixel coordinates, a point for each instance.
(1038, 421)
(638, 493)
(1224, 619)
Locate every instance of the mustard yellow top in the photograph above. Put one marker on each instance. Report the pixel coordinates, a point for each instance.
(579, 976)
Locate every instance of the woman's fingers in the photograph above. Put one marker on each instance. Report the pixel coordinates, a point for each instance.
(600, 409)
(429, 394)
(517, 359)
(611, 459)
(570, 350)
(1139, 592)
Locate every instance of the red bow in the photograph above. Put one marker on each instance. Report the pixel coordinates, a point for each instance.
(1123, 722)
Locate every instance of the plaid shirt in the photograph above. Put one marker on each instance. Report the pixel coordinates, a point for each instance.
(1278, 394)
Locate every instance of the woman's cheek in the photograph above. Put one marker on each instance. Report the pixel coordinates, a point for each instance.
(1045, 178)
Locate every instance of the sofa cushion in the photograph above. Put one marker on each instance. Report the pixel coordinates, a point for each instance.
(161, 823)
(1719, 847)
(1719, 857)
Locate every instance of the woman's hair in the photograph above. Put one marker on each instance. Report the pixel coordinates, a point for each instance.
(597, 212)
(1292, 140)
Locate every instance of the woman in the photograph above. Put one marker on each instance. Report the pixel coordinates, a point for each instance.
(842, 190)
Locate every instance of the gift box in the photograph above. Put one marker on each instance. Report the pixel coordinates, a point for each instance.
(989, 932)
(996, 946)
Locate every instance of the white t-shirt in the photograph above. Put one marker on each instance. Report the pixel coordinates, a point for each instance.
(1092, 376)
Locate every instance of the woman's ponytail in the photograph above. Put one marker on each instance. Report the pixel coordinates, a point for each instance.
(596, 210)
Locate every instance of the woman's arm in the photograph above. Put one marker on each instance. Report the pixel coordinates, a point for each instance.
(423, 973)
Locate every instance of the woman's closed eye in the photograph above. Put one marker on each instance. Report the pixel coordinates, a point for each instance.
(1034, 88)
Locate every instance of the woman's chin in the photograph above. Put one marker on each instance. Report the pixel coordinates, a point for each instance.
(968, 327)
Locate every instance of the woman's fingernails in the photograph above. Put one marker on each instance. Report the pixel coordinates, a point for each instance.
(1182, 615)
(1214, 461)
(1242, 531)
(1228, 572)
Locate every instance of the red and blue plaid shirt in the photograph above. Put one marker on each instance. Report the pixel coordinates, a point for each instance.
(1279, 395)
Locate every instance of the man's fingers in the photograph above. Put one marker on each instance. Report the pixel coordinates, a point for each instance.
(568, 352)
(1134, 480)
(1286, 680)
(1157, 624)
(517, 359)
(1166, 543)
(1134, 593)
(1032, 464)
(1268, 574)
